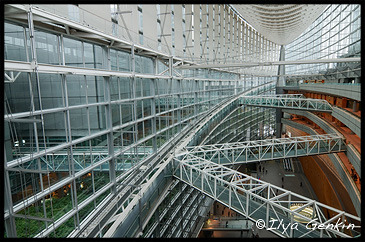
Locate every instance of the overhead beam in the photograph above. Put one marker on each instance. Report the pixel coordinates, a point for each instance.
(270, 63)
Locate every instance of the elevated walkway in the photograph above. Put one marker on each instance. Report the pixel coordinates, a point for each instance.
(288, 102)
(269, 204)
(268, 149)
(83, 158)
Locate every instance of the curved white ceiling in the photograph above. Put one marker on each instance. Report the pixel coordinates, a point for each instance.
(280, 23)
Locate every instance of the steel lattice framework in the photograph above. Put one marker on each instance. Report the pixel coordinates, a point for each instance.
(259, 200)
(82, 158)
(268, 149)
(287, 101)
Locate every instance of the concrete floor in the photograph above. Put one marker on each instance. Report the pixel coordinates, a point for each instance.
(292, 179)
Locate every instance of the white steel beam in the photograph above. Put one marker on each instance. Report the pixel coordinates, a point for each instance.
(257, 200)
(271, 63)
(268, 149)
(289, 102)
(60, 69)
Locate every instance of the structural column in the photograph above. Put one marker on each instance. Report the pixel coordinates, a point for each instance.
(280, 82)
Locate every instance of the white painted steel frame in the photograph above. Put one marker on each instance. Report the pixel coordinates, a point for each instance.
(267, 149)
(255, 64)
(294, 102)
(179, 145)
(257, 199)
(33, 66)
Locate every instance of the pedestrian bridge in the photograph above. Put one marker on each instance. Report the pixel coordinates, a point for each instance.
(269, 206)
(81, 158)
(268, 149)
(289, 101)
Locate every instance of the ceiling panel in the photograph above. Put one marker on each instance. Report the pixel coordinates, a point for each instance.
(280, 23)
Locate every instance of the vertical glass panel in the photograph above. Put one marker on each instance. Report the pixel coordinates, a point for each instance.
(17, 95)
(121, 166)
(129, 134)
(76, 90)
(148, 127)
(139, 87)
(27, 227)
(114, 88)
(99, 89)
(114, 59)
(115, 114)
(98, 148)
(144, 65)
(23, 185)
(97, 119)
(86, 211)
(117, 140)
(84, 187)
(51, 90)
(124, 62)
(161, 86)
(89, 55)
(161, 139)
(126, 113)
(82, 155)
(95, 89)
(91, 89)
(79, 123)
(64, 229)
(101, 176)
(14, 43)
(146, 85)
(125, 89)
(137, 64)
(47, 47)
(21, 141)
(101, 197)
(54, 127)
(98, 57)
(147, 107)
(73, 52)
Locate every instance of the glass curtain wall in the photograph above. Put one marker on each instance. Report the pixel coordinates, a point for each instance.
(334, 34)
(59, 126)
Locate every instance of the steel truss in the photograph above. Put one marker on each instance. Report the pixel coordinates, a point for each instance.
(291, 102)
(268, 149)
(58, 161)
(259, 200)
(186, 137)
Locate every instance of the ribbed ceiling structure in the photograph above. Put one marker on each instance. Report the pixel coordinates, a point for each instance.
(280, 23)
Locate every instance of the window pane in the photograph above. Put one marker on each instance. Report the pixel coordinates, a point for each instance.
(14, 44)
(73, 52)
(47, 48)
